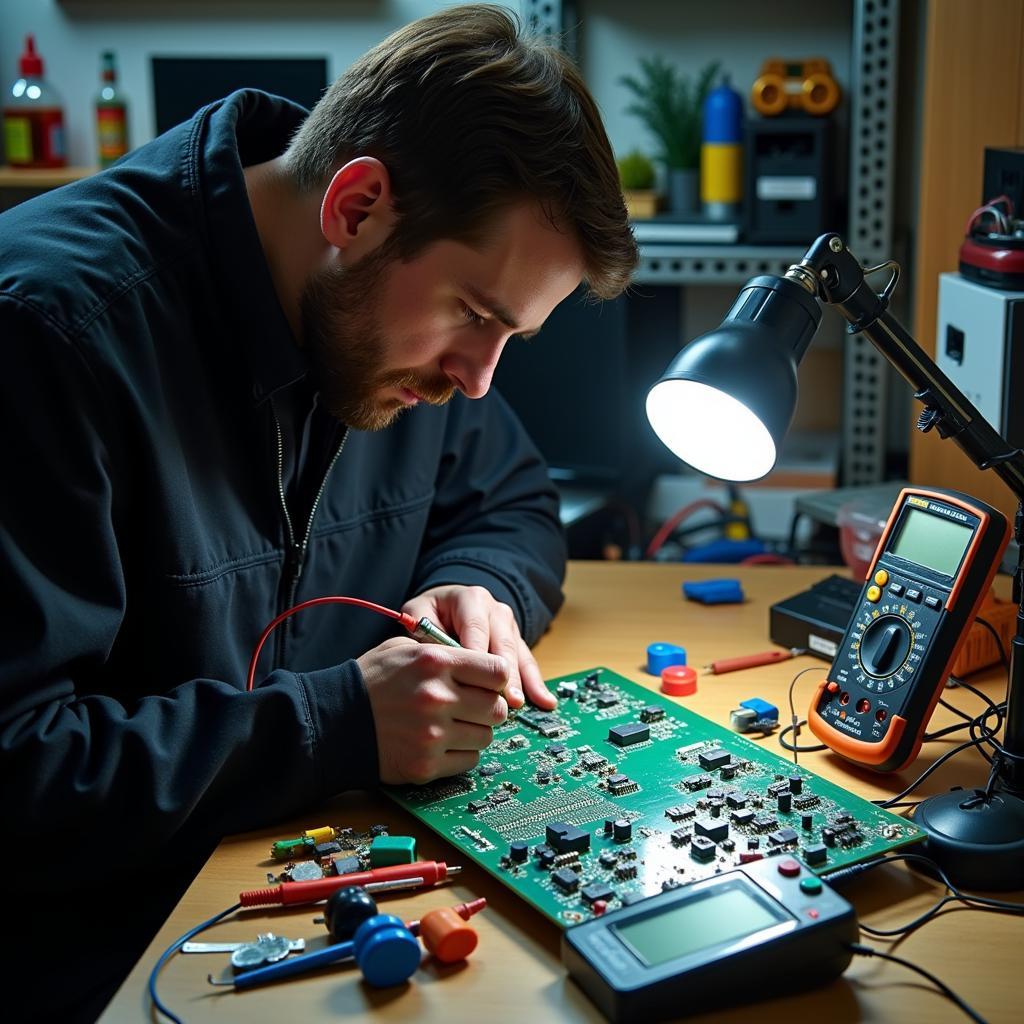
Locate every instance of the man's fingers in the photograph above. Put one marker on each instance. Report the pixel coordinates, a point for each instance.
(471, 668)
(454, 762)
(484, 707)
(469, 736)
(533, 681)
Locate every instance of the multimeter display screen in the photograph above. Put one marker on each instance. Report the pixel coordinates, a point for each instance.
(722, 914)
(932, 541)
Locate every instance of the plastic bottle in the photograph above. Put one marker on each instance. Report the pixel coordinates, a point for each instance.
(111, 115)
(33, 118)
(721, 154)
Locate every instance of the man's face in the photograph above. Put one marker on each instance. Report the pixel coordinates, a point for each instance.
(383, 335)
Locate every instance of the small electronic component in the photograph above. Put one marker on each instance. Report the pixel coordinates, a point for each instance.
(597, 891)
(714, 758)
(476, 806)
(815, 855)
(559, 750)
(652, 713)
(593, 761)
(765, 822)
(782, 837)
(346, 865)
(543, 776)
(754, 715)
(736, 800)
(619, 785)
(607, 699)
(801, 803)
(566, 880)
(702, 848)
(624, 872)
(695, 782)
(622, 830)
(566, 689)
(518, 852)
(565, 838)
(743, 817)
(547, 725)
(322, 850)
(304, 871)
(629, 733)
(679, 812)
(680, 837)
(714, 830)
(489, 769)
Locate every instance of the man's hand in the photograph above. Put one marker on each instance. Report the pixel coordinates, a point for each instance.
(434, 707)
(483, 624)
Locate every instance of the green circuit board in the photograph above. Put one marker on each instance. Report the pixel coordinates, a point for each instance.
(619, 793)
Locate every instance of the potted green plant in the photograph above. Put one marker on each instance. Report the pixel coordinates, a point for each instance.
(636, 175)
(669, 103)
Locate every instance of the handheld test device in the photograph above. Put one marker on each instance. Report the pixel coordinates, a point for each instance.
(767, 926)
(928, 578)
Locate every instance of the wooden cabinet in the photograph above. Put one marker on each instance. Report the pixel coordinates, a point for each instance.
(973, 98)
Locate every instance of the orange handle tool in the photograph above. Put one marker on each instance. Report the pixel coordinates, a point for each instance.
(751, 660)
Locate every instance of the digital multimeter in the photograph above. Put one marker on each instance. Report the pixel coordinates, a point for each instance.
(767, 927)
(931, 571)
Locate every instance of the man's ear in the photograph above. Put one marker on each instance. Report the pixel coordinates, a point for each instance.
(356, 215)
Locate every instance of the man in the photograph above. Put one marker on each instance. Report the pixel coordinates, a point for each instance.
(244, 368)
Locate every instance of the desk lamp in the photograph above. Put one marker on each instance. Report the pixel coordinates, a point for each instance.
(724, 405)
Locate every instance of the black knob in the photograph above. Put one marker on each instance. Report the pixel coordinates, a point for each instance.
(885, 645)
(347, 908)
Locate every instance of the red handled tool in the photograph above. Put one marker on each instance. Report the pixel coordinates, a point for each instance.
(752, 660)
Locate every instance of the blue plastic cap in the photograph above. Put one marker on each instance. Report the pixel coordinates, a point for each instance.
(660, 656)
(760, 707)
(719, 591)
(386, 951)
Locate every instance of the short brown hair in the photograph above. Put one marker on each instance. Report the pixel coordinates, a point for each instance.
(469, 116)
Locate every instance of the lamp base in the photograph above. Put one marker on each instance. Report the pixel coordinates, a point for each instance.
(977, 840)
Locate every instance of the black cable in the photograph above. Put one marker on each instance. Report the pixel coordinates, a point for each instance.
(795, 723)
(1004, 660)
(171, 950)
(862, 950)
(955, 895)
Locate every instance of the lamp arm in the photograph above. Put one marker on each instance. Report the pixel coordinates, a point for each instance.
(841, 281)
(834, 275)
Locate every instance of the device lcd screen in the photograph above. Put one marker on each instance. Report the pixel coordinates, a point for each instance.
(932, 541)
(707, 919)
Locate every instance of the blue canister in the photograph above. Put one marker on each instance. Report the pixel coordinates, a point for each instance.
(721, 153)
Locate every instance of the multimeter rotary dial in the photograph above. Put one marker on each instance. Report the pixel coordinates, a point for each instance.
(888, 644)
(884, 645)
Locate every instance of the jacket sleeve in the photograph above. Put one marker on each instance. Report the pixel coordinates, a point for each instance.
(494, 522)
(180, 767)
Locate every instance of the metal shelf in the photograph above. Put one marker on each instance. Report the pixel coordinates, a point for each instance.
(712, 264)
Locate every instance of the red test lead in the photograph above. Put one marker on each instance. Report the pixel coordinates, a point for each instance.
(430, 872)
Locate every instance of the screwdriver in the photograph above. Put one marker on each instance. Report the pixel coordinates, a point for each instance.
(427, 872)
(752, 660)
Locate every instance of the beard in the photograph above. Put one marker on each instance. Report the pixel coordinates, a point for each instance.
(344, 340)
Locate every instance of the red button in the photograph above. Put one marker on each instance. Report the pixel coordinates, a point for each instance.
(789, 868)
(832, 687)
(813, 914)
(678, 680)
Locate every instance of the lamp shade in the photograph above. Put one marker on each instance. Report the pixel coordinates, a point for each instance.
(727, 399)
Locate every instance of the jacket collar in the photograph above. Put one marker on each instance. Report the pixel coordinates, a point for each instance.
(247, 127)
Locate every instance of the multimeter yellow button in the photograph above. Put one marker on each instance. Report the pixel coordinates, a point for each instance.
(873, 594)
(881, 577)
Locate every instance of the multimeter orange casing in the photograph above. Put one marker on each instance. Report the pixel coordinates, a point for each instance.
(908, 626)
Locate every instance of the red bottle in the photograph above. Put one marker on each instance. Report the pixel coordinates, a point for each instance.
(33, 117)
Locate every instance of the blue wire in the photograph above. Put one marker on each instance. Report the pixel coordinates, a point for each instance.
(171, 950)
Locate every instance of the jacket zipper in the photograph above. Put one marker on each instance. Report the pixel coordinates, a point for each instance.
(295, 556)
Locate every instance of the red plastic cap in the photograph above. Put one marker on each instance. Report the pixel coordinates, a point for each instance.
(679, 680)
(30, 63)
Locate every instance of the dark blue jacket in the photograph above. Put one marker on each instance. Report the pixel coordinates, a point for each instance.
(147, 369)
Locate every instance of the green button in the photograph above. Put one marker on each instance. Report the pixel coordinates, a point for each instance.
(810, 885)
